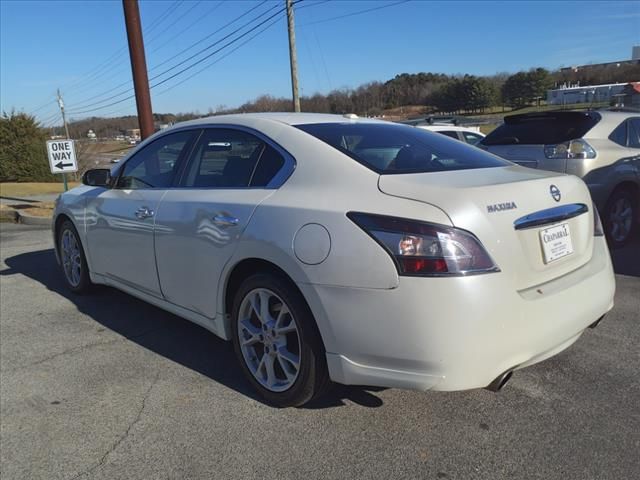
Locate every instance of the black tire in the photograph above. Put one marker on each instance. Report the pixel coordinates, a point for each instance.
(84, 284)
(313, 377)
(614, 237)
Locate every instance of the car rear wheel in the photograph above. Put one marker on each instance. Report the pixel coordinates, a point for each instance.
(277, 342)
(620, 215)
(72, 259)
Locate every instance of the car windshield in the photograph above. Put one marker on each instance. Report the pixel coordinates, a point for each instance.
(389, 148)
(542, 128)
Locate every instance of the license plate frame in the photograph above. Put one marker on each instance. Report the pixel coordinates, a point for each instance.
(556, 242)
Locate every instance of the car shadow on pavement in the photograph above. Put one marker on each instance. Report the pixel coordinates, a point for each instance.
(164, 333)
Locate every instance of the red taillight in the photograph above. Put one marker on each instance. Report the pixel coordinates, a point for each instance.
(420, 248)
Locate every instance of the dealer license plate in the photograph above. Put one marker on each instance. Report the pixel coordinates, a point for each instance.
(556, 242)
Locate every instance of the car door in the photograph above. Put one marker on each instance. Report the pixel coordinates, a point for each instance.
(120, 220)
(198, 225)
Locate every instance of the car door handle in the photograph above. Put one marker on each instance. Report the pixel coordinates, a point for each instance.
(225, 221)
(144, 212)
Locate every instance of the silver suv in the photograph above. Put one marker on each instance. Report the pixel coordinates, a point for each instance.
(601, 147)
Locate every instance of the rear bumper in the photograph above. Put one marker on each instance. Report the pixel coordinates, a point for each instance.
(456, 333)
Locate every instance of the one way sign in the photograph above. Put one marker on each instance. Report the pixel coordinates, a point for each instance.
(62, 156)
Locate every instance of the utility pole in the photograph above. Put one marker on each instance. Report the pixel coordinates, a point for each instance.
(66, 130)
(293, 57)
(138, 66)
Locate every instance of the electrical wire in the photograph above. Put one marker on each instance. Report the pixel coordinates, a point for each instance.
(128, 81)
(116, 55)
(359, 12)
(189, 67)
(221, 58)
(77, 109)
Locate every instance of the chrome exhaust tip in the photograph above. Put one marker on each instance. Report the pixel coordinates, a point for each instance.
(499, 382)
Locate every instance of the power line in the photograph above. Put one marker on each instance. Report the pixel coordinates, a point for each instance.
(359, 12)
(116, 55)
(127, 82)
(125, 68)
(189, 67)
(121, 59)
(209, 65)
(124, 92)
(188, 27)
(213, 33)
(177, 20)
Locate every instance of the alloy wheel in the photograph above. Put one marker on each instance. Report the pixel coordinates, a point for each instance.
(621, 219)
(269, 339)
(71, 258)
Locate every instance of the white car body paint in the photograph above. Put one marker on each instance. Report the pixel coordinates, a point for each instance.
(378, 327)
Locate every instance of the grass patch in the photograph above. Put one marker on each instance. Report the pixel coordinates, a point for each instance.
(14, 189)
(42, 209)
(38, 209)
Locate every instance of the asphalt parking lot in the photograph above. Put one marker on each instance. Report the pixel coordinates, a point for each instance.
(106, 386)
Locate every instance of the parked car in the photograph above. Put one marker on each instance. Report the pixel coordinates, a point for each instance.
(469, 135)
(348, 250)
(601, 147)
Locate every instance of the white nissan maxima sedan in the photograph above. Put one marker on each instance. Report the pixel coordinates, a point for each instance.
(332, 248)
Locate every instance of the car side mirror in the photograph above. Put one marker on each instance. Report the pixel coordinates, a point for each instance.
(97, 177)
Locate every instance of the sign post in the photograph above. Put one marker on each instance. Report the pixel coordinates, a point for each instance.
(62, 158)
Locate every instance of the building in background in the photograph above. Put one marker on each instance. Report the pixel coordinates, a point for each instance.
(611, 93)
(635, 60)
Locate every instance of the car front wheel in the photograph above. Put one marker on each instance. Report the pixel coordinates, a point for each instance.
(72, 259)
(277, 342)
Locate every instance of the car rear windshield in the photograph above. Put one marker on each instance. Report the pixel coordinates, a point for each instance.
(542, 128)
(389, 148)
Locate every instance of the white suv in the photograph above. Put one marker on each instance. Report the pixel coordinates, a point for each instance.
(601, 147)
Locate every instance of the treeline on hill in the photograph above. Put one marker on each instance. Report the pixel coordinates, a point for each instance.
(438, 92)
(22, 142)
(110, 127)
(447, 93)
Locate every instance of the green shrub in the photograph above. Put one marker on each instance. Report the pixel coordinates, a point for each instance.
(23, 151)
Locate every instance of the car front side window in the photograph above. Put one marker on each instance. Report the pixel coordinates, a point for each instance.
(472, 138)
(156, 164)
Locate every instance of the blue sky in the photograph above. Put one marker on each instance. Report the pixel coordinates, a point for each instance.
(49, 44)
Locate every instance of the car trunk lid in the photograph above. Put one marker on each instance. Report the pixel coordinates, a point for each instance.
(488, 202)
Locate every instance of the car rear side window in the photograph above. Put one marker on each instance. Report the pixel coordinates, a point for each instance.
(449, 133)
(619, 134)
(542, 128)
(389, 148)
(634, 133)
(228, 158)
(269, 165)
(472, 138)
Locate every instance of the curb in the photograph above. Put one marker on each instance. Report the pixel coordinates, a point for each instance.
(32, 220)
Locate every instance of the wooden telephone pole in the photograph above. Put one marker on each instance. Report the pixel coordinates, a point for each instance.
(293, 57)
(138, 67)
(66, 131)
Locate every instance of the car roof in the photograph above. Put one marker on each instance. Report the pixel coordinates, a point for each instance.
(447, 128)
(288, 118)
